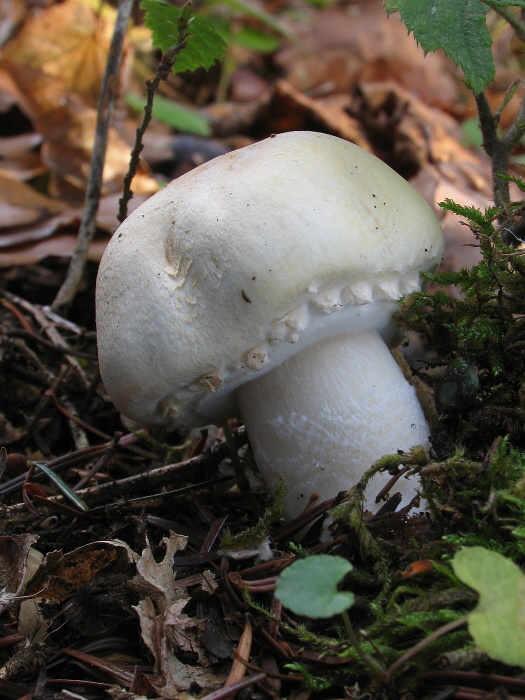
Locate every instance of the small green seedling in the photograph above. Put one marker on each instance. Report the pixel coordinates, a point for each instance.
(497, 623)
(309, 587)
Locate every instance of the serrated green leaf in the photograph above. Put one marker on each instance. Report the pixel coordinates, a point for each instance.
(456, 26)
(309, 586)
(163, 21)
(205, 46)
(170, 27)
(497, 624)
(506, 3)
(185, 120)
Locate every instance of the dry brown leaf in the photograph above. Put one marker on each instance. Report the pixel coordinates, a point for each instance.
(18, 146)
(25, 245)
(156, 579)
(62, 245)
(21, 204)
(329, 114)
(14, 554)
(165, 629)
(31, 623)
(284, 108)
(61, 575)
(438, 182)
(404, 131)
(12, 237)
(55, 65)
(358, 43)
(12, 13)
(67, 42)
(22, 168)
(67, 126)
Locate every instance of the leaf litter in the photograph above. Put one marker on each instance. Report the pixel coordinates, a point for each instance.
(164, 587)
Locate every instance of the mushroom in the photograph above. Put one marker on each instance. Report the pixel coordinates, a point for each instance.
(262, 285)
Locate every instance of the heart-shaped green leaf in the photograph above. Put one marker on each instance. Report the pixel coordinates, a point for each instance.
(309, 586)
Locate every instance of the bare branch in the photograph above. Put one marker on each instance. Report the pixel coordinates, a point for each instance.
(163, 70)
(105, 106)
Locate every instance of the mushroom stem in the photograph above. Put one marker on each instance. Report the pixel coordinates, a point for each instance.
(326, 414)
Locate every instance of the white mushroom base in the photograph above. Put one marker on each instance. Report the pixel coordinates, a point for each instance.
(324, 416)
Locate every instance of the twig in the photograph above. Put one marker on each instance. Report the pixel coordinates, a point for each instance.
(99, 463)
(499, 148)
(445, 629)
(105, 106)
(34, 338)
(139, 483)
(163, 70)
(230, 690)
(50, 329)
(510, 17)
(368, 661)
(72, 459)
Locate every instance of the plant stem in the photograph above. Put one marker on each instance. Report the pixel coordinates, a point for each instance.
(495, 148)
(509, 17)
(445, 629)
(376, 668)
(499, 149)
(163, 70)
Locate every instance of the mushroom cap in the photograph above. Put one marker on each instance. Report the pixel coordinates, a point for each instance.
(246, 260)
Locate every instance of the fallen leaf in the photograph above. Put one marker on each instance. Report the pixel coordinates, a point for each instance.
(358, 43)
(14, 555)
(21, 204)
(165, 629)
(417, 567)
(61, 575)
(69, 43)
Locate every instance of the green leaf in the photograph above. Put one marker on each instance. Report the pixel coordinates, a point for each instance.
(255, 40)
(309, 586)
(170, 26)
(68, 492)
(497, 624)
(183, 119)
(456, 26)
(520, 182)
(506, 3)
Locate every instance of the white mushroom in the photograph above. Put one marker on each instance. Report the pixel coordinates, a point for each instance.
(262, 284)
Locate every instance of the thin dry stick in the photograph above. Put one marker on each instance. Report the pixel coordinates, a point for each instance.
(445, 629)
(138, 484)
(105, 106)
(163, 70)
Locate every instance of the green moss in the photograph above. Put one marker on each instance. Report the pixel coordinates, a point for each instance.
(479, 336)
